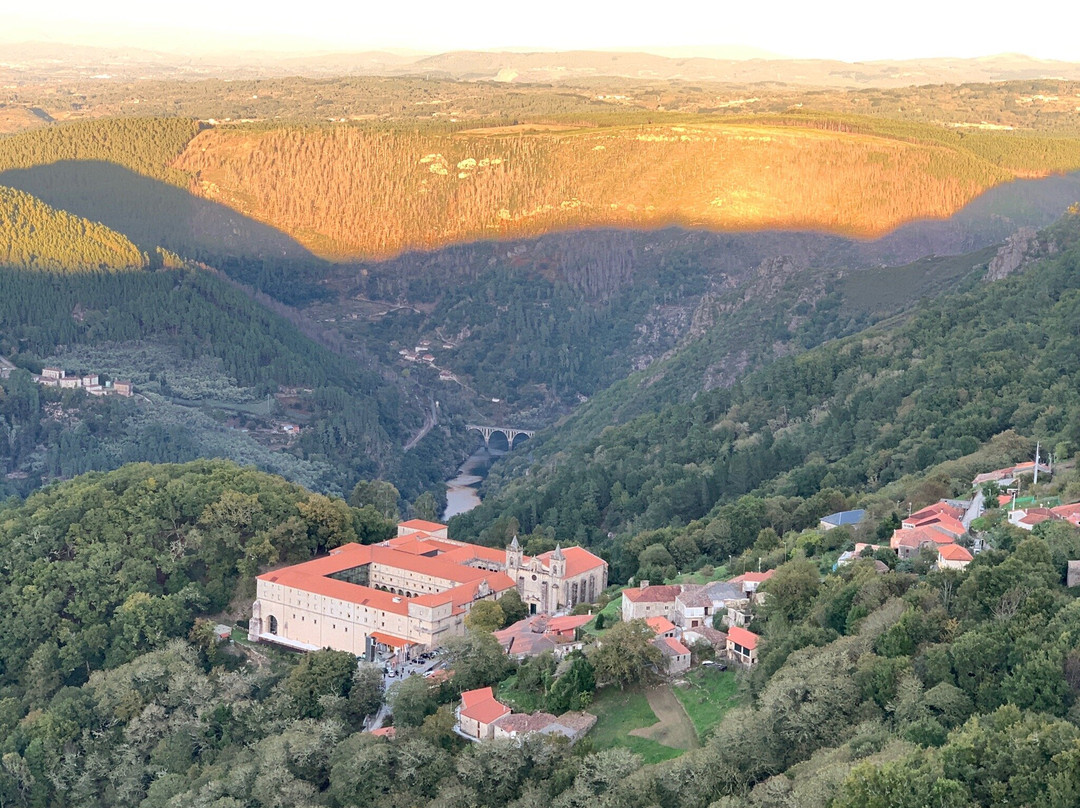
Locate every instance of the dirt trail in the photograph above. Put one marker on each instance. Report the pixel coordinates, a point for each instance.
(673, 727)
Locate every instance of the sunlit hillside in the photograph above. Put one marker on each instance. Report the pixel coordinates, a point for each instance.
(348, 191)
(36, 236)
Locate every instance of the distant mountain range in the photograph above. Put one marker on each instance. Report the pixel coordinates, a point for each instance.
(32, 61)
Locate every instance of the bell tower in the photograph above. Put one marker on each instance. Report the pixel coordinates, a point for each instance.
(558, 563)
(513, 555)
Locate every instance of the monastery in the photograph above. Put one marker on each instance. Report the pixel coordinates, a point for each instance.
(411, 592)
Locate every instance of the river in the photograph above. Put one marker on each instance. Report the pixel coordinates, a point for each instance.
(461, 492)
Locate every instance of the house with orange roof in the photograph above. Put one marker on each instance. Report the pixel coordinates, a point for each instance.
(939, 510)
(1070, 513)
(662, 626)
(943, 523)
(478, 712)
(742, 645)
(538, 633)
(1027, 518)
(410, 592)
(414, 526)
(750, 581)
(1009, 474)
(953, 557)
(908, 541)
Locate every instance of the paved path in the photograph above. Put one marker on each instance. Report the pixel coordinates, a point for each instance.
(430, 420)
(974, 510)
(674, 727)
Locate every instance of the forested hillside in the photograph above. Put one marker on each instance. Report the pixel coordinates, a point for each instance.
(355, 421)
(261, 201)
(144, 145)
(899, 689)
(853, 415)
(362, 192)
(39, 237)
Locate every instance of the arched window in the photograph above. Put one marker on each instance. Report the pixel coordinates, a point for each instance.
(272, 624)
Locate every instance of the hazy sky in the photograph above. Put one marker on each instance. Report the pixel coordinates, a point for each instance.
(840, 29)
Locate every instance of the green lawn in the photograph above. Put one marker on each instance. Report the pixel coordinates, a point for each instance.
(618, 712)
(708, 694)
(719, 573)
(611, 614)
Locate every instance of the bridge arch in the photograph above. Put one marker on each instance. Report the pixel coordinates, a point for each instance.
(509, 432)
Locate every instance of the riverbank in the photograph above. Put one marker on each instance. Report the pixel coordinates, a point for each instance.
(461, 492)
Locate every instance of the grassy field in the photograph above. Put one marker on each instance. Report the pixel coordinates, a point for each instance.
(618, 713)
(702, 576)
(707, 695)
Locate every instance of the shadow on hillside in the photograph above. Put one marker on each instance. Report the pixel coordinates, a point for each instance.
(152, 213)
(988, 219)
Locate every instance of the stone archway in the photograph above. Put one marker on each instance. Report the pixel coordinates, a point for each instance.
(271, 624)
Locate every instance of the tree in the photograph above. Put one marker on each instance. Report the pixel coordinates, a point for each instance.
(513, 607)
(791, 589)
(377, 494)
(330, 520)
(574, 689)
(485, 616)
(477, 660)
(366, 692)
(626, 656)
(411, 701)
(426, 507)
(320, 673)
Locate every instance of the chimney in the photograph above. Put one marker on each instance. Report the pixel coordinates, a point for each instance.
(645, 584)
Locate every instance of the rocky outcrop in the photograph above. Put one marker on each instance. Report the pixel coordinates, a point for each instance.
(1020, 249)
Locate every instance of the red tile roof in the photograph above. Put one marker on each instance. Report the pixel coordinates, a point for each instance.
(578, 560)
(918, 536)
(753, 577)
(421, 524)
(570, 622)
(661, 625)
(464, 553)
(1070, 512)
(470, 698)
(937, 509)
(1036, 516)
(741, 636)
(311, 576)
(390, 639)
(385, 732)
(481, 705)
(941, 522)
(669, 646)
(651, 594)
(954, 552)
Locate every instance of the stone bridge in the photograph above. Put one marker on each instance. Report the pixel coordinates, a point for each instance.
(508, 431)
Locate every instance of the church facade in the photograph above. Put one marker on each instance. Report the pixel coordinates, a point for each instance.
(557, 580)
